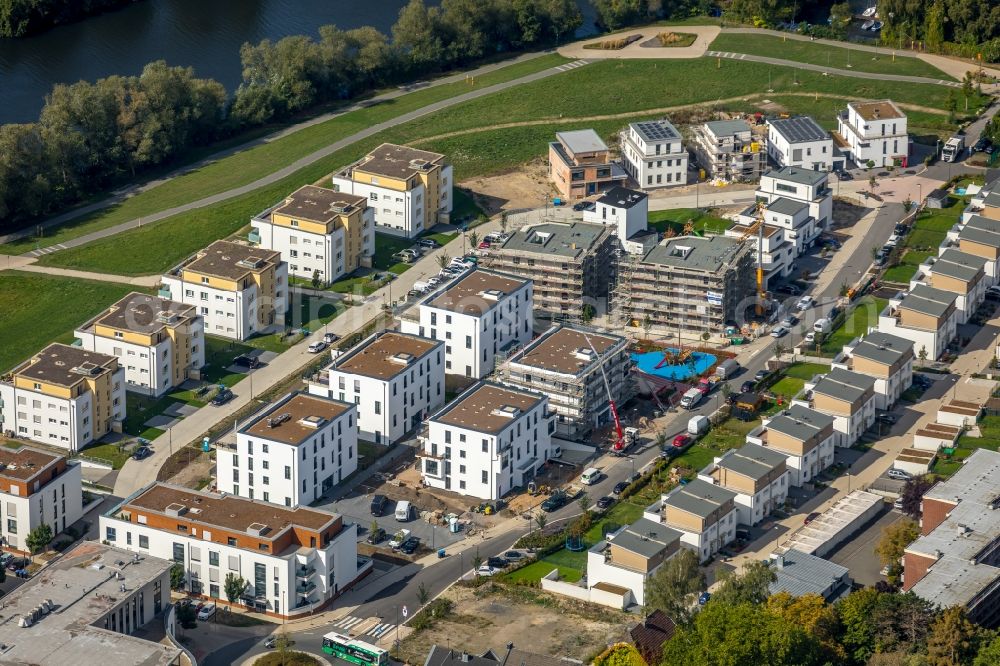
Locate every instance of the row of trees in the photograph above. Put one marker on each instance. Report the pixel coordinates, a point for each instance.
(938, 23)
(92, 135)
(744, 624)
(24, 17)
(615, 14)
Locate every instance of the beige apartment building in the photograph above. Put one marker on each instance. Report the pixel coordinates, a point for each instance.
(886, 358)
(849, 397)
(804, 436)
(759, 477)
(924, 315)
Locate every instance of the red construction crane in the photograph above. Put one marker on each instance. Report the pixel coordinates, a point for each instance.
(619, 444)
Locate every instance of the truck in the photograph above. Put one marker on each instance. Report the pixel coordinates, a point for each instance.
(697, 425)
(953, 148)
(691, 398)
(727, 369)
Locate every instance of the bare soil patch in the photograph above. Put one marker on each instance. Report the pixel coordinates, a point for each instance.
(528, 187)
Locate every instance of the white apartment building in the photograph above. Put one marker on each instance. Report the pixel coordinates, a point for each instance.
(926, 316)
(959, 272)
(295, 560)
(319, 232)
(292, 452)
(849, 397)
(887, 358)
(64, 396)
(160, 343)
(784, 192)
(653, 154)
(800, 142)
(980, 236)
(408, 190)
(804, 436)
(630, 556)
(625, 211)
(481, 317)
(35, 488)
(778, 253)
(874, 131)
(759, 477)
(239, 290)
(487, 441)
(704, 514)
(395, 379)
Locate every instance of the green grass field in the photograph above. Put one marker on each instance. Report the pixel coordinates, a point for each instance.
(39, 309)
(701, 221)
(834, 57)
(250, 164)
(928, 232)
(626, 87)
(989, 428)
(857, 322)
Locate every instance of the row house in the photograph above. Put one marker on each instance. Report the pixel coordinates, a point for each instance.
(959, 272)
(759, 476)
(887, 358)
(705, 514)
(924, 315)
(804, 436)
(849, 397)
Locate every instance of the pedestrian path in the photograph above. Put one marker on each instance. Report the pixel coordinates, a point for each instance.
(363, 627)
(571, 65)
(47, 250)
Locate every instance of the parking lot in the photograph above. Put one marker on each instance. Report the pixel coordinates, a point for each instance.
(858, 554)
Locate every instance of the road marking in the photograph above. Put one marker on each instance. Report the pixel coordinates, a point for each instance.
(348, 622)
(381, 630)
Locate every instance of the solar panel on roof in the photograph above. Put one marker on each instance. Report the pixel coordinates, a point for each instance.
(799, 129)
(657, 130)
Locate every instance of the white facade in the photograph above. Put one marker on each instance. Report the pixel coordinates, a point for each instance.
(799, 142)
(51, 493)
(300, 577)
(958, 272)
(808, 441)
(147, 367)
(849, 397)
(626, 211)
(778, 255)
(395, 380)
(703, 513)
(874, 131)
(291, 460)
(797, 186)
(480, 317)
(487, 441)
(653, 154)
(886, 358)
(926, 316)
(733, 471)
(400, 213)
(979, 235)
(630, 556)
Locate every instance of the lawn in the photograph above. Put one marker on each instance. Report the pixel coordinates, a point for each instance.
(857, 322)
(464, 208)
(989, 427)
(904, 271)
(110, 453)
(385, 247)
(38, 309)
(805, 370)
(928, 232)
(562, 102)
(253, 163)
(534, 572)
(834, 57)
(702, 221)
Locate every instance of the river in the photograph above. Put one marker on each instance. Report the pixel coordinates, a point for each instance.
(204, 34)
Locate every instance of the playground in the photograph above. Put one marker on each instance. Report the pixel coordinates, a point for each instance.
(674, 364)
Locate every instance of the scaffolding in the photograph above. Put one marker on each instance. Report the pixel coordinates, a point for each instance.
(620, 306)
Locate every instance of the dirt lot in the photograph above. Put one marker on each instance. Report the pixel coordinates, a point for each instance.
(528, 187)
(493, 615)
(846, 214)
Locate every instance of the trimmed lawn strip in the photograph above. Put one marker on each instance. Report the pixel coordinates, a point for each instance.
(806, 370)
(534, 572)
(464, 208)
(835, 57)
(702, 221)
(38, 309)
(110, 453)
(857, 322)
(989, 427)
(258, 161)
(904, 271)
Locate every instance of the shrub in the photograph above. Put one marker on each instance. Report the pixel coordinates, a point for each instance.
(431, 613)
(286, 659)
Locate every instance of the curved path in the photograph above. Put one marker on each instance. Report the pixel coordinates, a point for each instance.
(705, 35)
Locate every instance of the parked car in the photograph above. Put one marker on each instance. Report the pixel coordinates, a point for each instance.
(486, 570)
(429, 242)
(245, 361)
(843, 174)
(583, 205)
(779, 332)
(981, 145)
(680, 441)
(379, 503)
(330, 338)
(399, 538)
(604, 503)
(898, 474)
(222, 397)
(898, 504)
(497, 562)
(789, 321)
(270, 642)
(810, 336)
(206, 613)
(790, 289)
(922, 381)
(811, 517)
(805, 303)
(993, 292)
(410, 546)
(554, 502)
(703, 598)
(901, 229)
(375, 536)
(619, 487)
(514, 555)
(142, 453)
(317, 347)
(887, 418)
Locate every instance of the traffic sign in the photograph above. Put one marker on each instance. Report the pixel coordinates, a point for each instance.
(404, 611)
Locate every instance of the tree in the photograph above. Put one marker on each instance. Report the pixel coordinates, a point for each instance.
(749, 587)
(989, 654)
(474, 239)
(587, 313)
(907, 204)
(541, 519)
(443, 260)
(816, 617)
(176, 576)
(872, 184)
(585, 502)
(895, 538)
(913, 492)
(477, 561)
(39, 538)
(503, 222)
(779, 350)
(674, 586)
(423, 595)
(726, 390)
(234, 587)
(856, 616)
(186, 616)
(922, 354)
(316, 279)
(647, 324)
(951, 104)
(417, 34)
(870, 164)
(952, 640)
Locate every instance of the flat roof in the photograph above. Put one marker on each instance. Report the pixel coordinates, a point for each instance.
(488, 407)
(928, 300)
(227, 512)
(645, 537)
(798, 175)
(786, 206)
(394, 161)
(800, 573)
(232, 261)
(654, 131)
(143, 313)
(471, 293)
(884, 109)
(83, 587)
(831, 522)
(883, 348)
(319, 204)
(844, 384)
(978, 480)
(952, 581)
(386, 355)
(752, 461)
(559, 240)
(621, 197)
(25, 462)
(727, 127)
(65, 365)
(698, 497)
(295, 418)
(799, 129)
(959, 265)
(566, 350)
(581, 141)
(800, 423)
(709, 254)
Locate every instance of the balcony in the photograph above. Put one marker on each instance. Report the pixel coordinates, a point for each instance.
(305, 588)
(305, 572)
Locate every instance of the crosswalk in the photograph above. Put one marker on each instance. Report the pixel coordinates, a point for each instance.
(727, 54)
(47, 250)
(363, 626)
(572, 65)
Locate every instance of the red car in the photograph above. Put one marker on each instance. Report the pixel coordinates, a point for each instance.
(680, 441)
(484, 246)
(811, 517)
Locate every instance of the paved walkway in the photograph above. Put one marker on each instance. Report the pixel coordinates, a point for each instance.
(25, 263)
(705, 35)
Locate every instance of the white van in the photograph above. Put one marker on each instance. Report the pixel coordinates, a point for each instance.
(822, 325)
(590, 476)
(691, 398)
(403, 511)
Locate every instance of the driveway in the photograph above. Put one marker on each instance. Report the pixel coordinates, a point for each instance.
(705, 35)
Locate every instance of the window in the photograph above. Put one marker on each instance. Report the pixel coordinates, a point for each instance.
(110, 533)
(213, 558)
(143, 541)
(230, 541)
(259, 580)
(179, 552)
(486, 476)
(288, 472)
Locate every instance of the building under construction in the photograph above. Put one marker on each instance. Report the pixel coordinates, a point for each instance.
(571, 265)
(729, 150)
(689, 284)
(565, 363)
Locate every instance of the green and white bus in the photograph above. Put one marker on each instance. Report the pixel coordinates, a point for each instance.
(356, 652)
